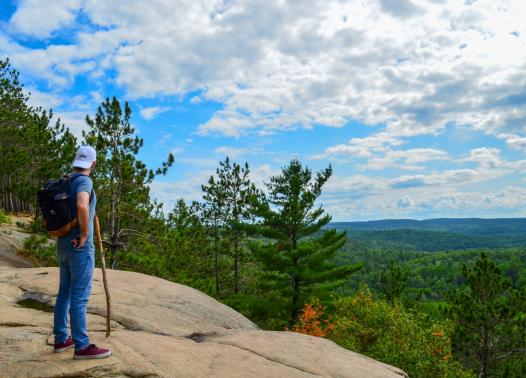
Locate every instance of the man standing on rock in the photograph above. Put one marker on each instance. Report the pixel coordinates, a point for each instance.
(76, 253)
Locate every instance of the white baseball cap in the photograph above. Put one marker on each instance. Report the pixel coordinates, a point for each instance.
(85, 156)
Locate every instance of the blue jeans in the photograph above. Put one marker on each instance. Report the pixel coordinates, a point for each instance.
(76, 273)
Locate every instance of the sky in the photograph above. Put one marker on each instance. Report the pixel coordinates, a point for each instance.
(418, 105)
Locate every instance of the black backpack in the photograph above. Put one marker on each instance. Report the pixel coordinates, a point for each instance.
(55, 203)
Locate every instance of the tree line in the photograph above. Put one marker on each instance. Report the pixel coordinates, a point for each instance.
(32, 148)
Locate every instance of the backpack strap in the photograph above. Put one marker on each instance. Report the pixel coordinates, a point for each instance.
(69, 177)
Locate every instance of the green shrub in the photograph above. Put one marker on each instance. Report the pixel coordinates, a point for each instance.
(4, 218)
(394, 335)
(41, 249)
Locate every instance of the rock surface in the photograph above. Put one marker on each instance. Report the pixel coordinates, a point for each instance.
(159, 329)
(11, 240)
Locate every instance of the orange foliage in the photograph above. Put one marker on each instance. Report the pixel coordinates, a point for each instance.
(441, 347)
(311, 321)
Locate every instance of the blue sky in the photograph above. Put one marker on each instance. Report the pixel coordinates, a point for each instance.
(419, 105)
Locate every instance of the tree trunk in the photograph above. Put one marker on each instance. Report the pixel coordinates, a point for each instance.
(484, 368)
(113, 256)
(295, 301)
(295, 292)
(216, 255)
(11, 205)
(236, 273)
(113, 218)
(236, 266)
(114, 260)
(2, 194)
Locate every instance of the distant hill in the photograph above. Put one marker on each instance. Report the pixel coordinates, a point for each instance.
(458, 225)
(438, 234)
(433, 251)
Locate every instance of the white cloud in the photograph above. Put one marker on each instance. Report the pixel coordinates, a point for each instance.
(405, 202)
(165, 137)
(152, 112)
(43, 100)
(412, 65)
(406, 159)
(34, 19)
(510, 201)
(459, 192)
(486, 157)
(189, 187)
(235, 152)
(381, 151)
(400, 8)
(515, 142)
(454, 192)
(366, 147)
(195, 100)
(366, 198)
(72, 110)
(261, 174)
(204, 163)
(75, 121)
(169, 192)
(405, 68)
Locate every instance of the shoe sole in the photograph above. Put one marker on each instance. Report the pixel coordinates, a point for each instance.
(92, 356)
(63, 349)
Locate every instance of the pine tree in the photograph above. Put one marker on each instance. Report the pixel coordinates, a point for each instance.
(121, 180)
(392, 281)
(32, 149)
(299, 258)
(234, 182)
(214, 214)
(490, 325)
(184, 247)
(52, 149)
(14, 114)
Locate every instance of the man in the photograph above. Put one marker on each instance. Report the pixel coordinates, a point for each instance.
(76, 252)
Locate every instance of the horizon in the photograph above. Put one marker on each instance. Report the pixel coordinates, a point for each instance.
(401, 97)
(425, 219)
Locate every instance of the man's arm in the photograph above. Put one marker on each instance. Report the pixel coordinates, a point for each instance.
(83, 217)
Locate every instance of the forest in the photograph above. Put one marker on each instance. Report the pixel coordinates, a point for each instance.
(440, 298)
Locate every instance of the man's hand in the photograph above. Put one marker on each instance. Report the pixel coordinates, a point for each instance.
(79, 241)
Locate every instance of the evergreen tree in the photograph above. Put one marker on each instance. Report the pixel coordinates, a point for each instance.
(183, 247)
(214, 214)
(490, 320)
(238, 192)
(14, 114)
(122, 181)
(299, 258)
(176, 248)
(32, 149)
(52, 149)
(392, 281)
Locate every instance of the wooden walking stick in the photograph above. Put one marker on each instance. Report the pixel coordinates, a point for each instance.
(104, 280)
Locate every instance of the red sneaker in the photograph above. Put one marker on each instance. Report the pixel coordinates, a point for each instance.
(91, 351)
(61, 347)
